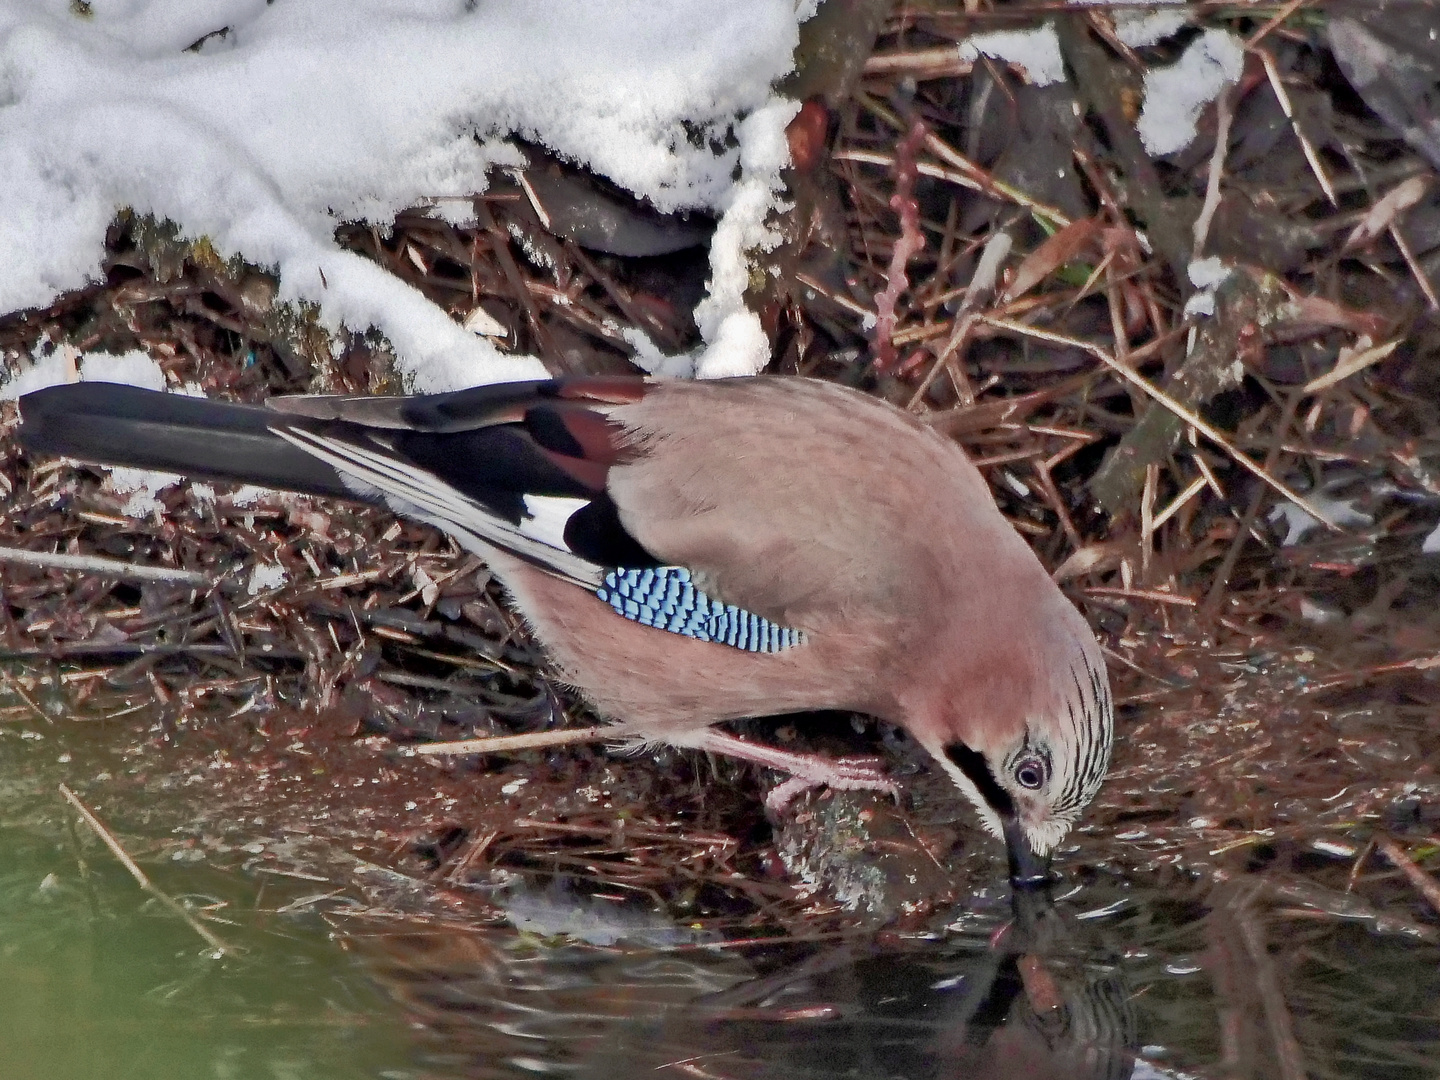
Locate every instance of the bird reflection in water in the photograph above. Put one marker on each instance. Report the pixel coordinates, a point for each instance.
(1035, 1000)
(1044, 1011)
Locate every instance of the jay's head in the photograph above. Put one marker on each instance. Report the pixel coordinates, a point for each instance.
(1031, 752)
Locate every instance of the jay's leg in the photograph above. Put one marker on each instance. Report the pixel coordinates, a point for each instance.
(806, 770)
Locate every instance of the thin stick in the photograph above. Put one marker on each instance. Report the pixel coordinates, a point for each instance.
(94, 564)
(1178, 502)
(1137, 668)
(1273, 74)
(19, 691)
(1278, 18)
(943, 150)
(976, 177)
(473, 852)
(533, 740)
(1359, 861)
(923, 168)
(1426, 885)
(938, 63)
(1147, 519)
(1211, 607)
(139, 875)
(959, 337)
(852, 306)
(1052, 496)
(1349, 365)
(1210, 477)
(1224, 110)
(1141, 594)
(1416, 270)
(1277, 1014)
(1419, 663)
(1190, 417)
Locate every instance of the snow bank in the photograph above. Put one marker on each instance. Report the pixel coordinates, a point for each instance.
(262, 125)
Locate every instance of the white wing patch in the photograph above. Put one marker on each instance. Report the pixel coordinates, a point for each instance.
(549, 514)
(421, 494)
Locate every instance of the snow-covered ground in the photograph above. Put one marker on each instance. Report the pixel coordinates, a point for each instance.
(261, 125)
(304, 113)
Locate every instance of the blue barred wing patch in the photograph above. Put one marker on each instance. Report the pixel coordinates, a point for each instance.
(665, 597)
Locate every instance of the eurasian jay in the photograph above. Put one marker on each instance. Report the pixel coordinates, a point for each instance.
(695, 552)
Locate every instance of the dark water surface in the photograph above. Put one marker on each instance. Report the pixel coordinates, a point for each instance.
(1130, 974)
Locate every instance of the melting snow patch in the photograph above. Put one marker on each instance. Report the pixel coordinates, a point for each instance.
(52, 370)
(1175, 95)
(143, 486)
(649, 357)
(1139, 29)
(67, 365)
(1035, 52)
(1206, 275)
(133, 368)
(264, 577)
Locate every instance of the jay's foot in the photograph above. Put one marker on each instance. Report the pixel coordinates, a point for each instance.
(806, 770)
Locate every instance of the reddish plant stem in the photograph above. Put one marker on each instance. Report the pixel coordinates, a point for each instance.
(910, 243)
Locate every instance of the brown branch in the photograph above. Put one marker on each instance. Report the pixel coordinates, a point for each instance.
(1424, 884)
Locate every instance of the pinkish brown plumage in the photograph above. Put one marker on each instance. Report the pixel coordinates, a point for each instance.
(823, 511)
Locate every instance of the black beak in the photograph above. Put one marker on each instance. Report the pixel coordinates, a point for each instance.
(1027, 870)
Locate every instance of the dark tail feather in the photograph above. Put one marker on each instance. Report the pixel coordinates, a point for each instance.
(111, 424)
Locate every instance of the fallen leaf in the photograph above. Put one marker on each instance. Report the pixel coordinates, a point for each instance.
(1389, 207)
(1054, 253)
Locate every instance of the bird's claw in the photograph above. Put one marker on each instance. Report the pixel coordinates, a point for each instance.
(839, 774)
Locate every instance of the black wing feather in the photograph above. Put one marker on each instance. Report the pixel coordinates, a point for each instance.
(490, 447)
(595, 532)
(495, 466)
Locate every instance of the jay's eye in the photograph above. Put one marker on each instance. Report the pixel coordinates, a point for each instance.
(1032, 773)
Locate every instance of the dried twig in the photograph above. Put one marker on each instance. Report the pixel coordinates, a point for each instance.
(1178, 503)
(1274, 21)
(95, 564)
(1424, 884)
(1224, 112)
(1272, 999)
(1278, 86)
(1348, 365)
(1351, 678)
(1221, 578)
(19, 691)
(149, 886)
(1191, 418)
(529, 741)
(980, 179)
(1142, 594)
